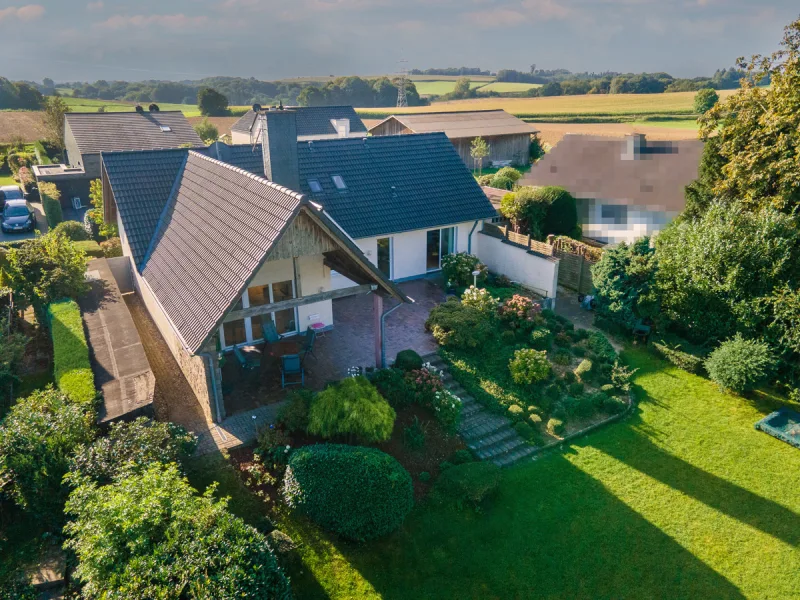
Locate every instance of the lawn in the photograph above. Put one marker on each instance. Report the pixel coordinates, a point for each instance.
(7, 180)
(683, 500)
(439, 88)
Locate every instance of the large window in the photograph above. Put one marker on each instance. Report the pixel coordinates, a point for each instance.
(252, 328)
(385, 256)
(235, 331)
(440, 242)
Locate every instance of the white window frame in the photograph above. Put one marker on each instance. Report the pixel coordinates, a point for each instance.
(441, 238)
(248, 323)
(391, 255)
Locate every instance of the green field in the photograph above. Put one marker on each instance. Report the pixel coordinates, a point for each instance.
(504, 87)
(440, 88)
(189, 110)
(683, 500)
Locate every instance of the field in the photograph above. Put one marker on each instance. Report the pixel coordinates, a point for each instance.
(27, 124)
(439, 88)
(504, 87)
(685, 499)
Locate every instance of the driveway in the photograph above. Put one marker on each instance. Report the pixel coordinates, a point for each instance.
(41, 225)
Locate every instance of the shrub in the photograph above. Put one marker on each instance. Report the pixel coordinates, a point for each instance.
(391, 383)
(414, 434)
(519, 312)
(129, 448)
(454, 325)
(529, 366)
(150, 535)
(575, 389)
(447, 408)
(468, 484)
(582, 370)
(71, 368)
(51, 203)
(509, 172)
(461, 456)
(599, 344)
(351, 408)
(525, 431)
(508, 337)
(527, 210)
(408, 360)
(739, 364)
(515, 411)
(563, 340)
(90, 248)
(480, 299)
(621, 377)
(358, 493)
(501, 182)
(424, 384)
(37, 438)
(555, 427)
(613, 406)
(534, 418)
(578, 351)
(562, 213)
(424, 477)
(294, 414)
(607, 388)
(273, 445)
(562, 357)
(457, 269)
(112, 248)
(681, 359)
(284, 548)
(552, 392)
(541, 338)
(72, 230)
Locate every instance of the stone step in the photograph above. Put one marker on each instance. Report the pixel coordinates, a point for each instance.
(499, 450)
(470, 409)
(481, 425)
(497, 437)
(514, 457)
(431, 358)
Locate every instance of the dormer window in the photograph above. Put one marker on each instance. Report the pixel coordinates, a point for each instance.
(315, 186)
(166, 128)
(339, 182)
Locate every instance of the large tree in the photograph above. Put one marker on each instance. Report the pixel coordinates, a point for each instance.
(758, 131)
(212, 103)
(54, 110)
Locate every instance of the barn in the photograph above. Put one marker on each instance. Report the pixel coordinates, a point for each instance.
(507, 136)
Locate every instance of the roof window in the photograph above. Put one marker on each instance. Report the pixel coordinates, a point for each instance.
(166, 128)
(315, 186)
(339, 182)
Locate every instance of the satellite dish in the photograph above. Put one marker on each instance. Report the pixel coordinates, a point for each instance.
(139, 109)
(154, 108)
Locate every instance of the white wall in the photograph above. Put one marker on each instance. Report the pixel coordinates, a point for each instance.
(532, 271)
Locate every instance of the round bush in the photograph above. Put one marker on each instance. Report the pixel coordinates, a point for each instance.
(740, 365)
(352, 407)
(541, 339)
(529, 366)
(72, 230)
(454, 325)
(408, 360)
(555, 426)
(359, 493)
(501, 182)
(515, 411)
(510, 172)
(583, 369)
(534, 419)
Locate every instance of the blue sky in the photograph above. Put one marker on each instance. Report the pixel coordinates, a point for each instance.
(269, 39)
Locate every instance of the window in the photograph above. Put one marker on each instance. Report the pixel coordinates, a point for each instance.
(269, 294)
(315, 186)
(166, 129)
(440, 242)
(385, 256)
(339, 182)
(235, 332)
(615, 214)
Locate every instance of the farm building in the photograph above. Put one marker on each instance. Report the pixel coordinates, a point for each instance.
(313, 123)
(508, 137)
(625, 188)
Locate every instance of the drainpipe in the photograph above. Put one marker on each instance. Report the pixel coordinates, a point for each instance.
(469, 238)
(212, 370)
(383, 332)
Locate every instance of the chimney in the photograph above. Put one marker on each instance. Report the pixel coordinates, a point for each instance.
(634, 143)
(278, 132)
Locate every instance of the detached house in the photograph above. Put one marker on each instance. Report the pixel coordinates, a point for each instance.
(625, 188)
(313, 123)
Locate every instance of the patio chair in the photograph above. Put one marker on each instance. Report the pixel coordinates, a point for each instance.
(249, 358)
(641, 331)
(292, 365)
(308, 344)
(270, 333)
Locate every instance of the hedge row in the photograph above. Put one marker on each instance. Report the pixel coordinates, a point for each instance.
(679, 358)
(71, 368)
(51, 202)
(91, 248)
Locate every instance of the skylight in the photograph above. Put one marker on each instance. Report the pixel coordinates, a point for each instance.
(166, 128)
(339, 182)
(315, 186)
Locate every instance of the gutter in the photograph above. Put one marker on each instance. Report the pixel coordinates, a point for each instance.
(211, 370)
(469, 237)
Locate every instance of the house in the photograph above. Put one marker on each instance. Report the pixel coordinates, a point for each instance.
(625, 188)
(87, 135)
(508, 137)
(220, 255)
(313, 123)
(407, 200)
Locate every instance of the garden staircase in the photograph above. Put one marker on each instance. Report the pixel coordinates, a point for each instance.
(489, 436)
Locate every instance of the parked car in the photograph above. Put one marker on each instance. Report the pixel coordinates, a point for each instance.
(10, 192)
(18, 217)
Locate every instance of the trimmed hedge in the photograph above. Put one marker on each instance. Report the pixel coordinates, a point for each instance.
(359, 493)
(51, 202)
(73, 230)
(91, 248)
(693, 362)
(408, 360)
(71, 368)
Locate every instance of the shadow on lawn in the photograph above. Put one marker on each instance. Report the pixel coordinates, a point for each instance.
(553, 532)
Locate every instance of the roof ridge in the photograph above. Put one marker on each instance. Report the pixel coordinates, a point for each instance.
(272, 184)
(450, 112)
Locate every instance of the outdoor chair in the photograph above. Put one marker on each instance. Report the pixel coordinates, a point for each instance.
(641, 331)
(308, 344)
(249, 358)
(292, 365)
(270, 333)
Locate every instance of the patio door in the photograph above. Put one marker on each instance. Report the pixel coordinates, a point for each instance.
(385, 249)
(440, 242)
(285, 320)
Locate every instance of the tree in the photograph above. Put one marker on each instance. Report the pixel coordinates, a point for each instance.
(207, 131)
(211, 103)
(540, 211)
(479, 150)
(758, 131)
(551, 88)
(704, 100)
(54, 110)
(462, 90)
(150, 535)
(739, 364)
(700, 193)
(12, 349)
(97, 214)
(625, 283)
(46, 269)
(37, 438)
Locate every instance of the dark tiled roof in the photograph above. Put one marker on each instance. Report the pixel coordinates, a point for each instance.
(213, 235)
(244, 156)
(142, 182)
(312, 120)
(108, 132)
(394, 183)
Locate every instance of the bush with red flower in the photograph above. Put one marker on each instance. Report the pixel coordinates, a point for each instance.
(518, 312)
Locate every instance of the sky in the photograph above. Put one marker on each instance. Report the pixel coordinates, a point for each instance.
(74, 40)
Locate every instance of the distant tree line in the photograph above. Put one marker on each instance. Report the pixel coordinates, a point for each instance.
(358, 92)
(19, 95)
(452, 71)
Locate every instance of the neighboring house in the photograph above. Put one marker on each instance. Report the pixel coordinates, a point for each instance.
(625, 188)
(217, 253)
(313, 123)
(508, 137)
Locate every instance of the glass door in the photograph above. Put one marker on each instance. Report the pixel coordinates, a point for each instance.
(285, 322)
(440, 242)
(385, 256)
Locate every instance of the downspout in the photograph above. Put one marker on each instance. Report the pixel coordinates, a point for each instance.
(383, 332)
(211, 369)
(469, 237)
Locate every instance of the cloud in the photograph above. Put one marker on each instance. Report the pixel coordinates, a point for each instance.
(520, 13)
(172, 22)
(29, 12)
(95, 6)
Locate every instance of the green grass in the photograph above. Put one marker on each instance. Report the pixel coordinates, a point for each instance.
(189, 110)
(505, 87)
(7, 180)
(440, 88)
(683, 500)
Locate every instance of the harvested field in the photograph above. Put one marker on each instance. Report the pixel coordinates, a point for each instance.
(28, 124)
(224, 124)
(505, 87)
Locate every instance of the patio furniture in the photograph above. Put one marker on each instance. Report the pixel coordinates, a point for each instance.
(292, 365)
(270, 333)
(319, 328)
(249, 357)
(308, 344)
(641, 331)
